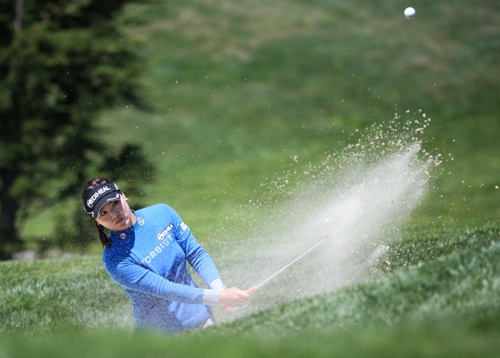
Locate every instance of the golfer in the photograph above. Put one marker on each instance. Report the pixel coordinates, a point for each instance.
(147, 253)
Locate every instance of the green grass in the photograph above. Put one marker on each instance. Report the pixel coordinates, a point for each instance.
(237, 86)
(236, 89)
(435, 293)
(435, 278)
(54, 295)
(440, 340)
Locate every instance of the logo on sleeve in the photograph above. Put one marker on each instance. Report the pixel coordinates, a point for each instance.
(183, 226)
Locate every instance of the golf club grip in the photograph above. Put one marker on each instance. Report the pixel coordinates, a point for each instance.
(251, 290)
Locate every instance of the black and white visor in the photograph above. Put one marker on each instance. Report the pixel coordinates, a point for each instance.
(101, 195)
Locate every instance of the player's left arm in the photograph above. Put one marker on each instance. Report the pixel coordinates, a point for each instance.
(196, 255)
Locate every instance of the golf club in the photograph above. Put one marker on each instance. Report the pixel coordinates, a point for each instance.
(269, 278)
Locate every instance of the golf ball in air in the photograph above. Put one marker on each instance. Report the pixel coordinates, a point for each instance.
(410, 12)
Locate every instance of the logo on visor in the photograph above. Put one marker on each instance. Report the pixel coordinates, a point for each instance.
(96, 195)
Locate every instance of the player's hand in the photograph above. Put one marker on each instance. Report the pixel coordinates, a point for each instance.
(233, 297)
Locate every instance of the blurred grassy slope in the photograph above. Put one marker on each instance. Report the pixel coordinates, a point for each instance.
(238, 88)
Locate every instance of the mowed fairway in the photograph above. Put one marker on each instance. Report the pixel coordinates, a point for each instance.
(245, 97)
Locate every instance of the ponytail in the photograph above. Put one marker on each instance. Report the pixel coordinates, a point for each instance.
(106, 241)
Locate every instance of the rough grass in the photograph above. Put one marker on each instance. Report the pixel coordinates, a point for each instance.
(434, 276)
(437, 293)
(57, 294)
(437, 340)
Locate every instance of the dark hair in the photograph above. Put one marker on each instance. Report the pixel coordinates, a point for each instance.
(106, 242)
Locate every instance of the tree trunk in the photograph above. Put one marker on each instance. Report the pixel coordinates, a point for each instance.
(9, 239)
(18, 20)
(9, 206)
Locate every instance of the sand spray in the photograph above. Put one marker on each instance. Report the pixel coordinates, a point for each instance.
(364, 193)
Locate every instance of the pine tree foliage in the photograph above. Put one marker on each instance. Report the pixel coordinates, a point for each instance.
(61, 63)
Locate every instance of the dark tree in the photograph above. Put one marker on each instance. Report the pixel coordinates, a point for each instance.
(61, 63)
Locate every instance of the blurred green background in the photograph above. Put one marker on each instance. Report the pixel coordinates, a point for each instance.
(238, 88)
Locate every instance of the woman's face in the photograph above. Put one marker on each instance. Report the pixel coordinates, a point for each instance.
(116, 215)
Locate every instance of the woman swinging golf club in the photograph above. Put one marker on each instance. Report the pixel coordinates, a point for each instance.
(146, 252)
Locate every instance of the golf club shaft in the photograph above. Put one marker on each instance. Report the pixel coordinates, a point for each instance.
(269, 278)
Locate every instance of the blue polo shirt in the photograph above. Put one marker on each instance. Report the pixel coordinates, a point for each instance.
(150, 260)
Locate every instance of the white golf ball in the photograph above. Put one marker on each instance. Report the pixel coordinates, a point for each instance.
(410, 12)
